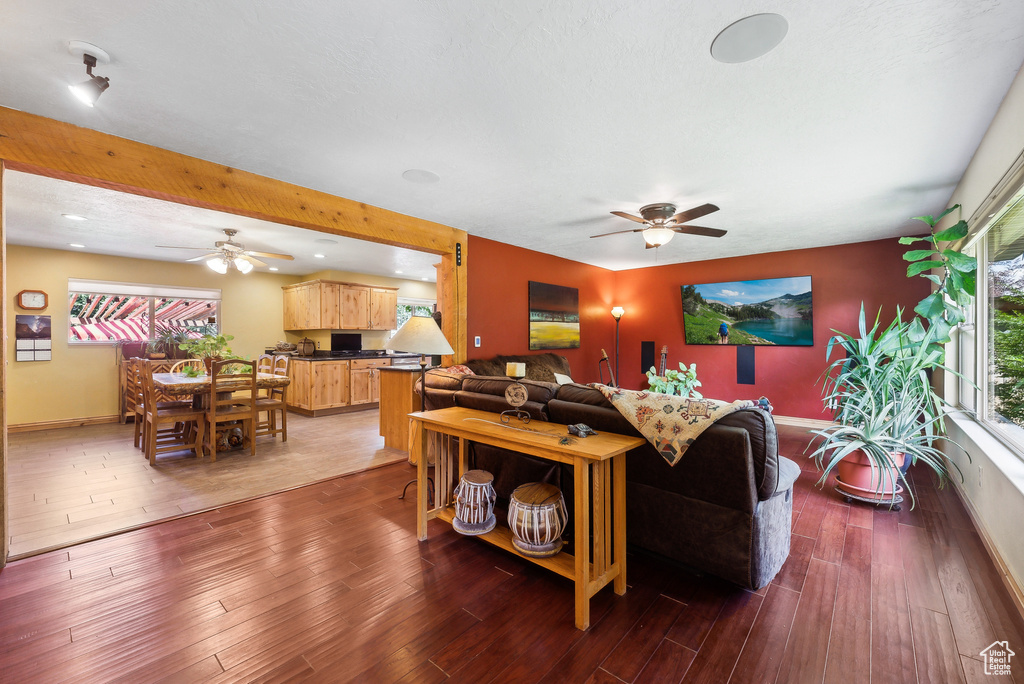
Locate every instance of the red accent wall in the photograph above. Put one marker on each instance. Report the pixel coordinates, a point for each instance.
(841, 277)
(499, 303)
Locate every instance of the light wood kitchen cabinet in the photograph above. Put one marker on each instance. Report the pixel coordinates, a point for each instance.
(332, 305)
(364, 382)
(302, 306)
(383, 309)
(355, 308)
(318, 385)
(330, 384)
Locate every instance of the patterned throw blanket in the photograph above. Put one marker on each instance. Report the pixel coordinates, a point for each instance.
(669, 422)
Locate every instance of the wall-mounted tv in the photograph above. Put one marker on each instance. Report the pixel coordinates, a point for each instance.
(776, 311)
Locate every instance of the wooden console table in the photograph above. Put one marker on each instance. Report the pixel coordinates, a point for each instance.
(599, 484)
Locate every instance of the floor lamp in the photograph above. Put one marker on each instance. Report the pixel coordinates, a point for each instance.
(617, 312)
(420, 335)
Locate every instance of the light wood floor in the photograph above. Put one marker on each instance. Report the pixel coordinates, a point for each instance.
(328, 584)
(72, 484)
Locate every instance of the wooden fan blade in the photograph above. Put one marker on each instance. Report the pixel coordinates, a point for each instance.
(175, 247)
(618, 232)
(629, 216)
(696, 212)
(270, 255)
(204, 256)
(254, 260)
(700, 230)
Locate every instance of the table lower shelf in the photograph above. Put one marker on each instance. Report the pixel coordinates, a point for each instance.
(501, 536)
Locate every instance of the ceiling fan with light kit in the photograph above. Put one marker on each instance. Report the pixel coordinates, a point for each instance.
(228, 254)
(661, 223)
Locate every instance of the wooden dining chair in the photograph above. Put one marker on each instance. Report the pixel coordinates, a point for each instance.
(169, 426)
(232, 400)
(136, 366)
(264, 364)
(273, 403)
(179, 366)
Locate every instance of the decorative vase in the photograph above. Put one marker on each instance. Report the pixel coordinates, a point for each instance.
(861, 476)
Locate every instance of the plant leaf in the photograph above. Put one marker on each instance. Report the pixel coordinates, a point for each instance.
(959, 261)
(909, 240)
(920, 267)
(931, 306)
(954, 232)
(918, 254)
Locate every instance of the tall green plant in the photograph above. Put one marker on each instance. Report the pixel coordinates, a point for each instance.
(880, 393)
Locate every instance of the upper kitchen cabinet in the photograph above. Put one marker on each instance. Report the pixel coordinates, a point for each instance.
(383, 308)
(355, 308)
(332, 305)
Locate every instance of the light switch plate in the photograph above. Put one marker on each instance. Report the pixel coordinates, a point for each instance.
(476, 341)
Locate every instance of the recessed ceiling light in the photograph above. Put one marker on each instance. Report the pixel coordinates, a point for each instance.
(320, 256)
(273, 268)
(749, 38)
(326, 241)
(398, 273)
(74, 217)
(76, 245)
(424, 278)
(420, 176)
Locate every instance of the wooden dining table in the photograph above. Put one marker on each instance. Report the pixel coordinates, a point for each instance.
(179, 384)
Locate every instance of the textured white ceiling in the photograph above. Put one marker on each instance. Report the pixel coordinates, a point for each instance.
(132, 226)
(541, 117)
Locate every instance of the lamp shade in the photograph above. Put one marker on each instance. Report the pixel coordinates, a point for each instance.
(617, 312)
(420, 335)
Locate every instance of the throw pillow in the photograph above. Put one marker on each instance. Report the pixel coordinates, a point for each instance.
(459, 368)
(563, 379)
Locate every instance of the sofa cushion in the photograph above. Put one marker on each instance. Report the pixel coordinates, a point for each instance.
(541, 392)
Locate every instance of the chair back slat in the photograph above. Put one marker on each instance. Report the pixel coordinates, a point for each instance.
(236, 389)
(179, 366)
(265, 363)
(281, 364)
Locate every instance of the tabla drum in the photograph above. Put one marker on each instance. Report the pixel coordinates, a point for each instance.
(474, 503)
(537, 517)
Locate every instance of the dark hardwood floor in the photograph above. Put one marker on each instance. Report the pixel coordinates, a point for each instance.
(327, 583)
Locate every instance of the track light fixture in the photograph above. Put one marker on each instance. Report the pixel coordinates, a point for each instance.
(89, 91)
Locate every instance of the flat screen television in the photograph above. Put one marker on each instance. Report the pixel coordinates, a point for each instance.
(776, 311)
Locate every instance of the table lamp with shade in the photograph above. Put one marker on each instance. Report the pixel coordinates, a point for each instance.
(421, 335)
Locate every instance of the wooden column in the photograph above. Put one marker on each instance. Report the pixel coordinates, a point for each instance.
(4, 536)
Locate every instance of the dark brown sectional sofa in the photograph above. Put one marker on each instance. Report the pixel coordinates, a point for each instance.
(725, 508)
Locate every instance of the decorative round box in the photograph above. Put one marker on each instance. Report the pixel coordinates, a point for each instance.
(537, 517)
(474, 503)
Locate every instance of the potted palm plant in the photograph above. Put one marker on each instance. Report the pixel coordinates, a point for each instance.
(887, 415)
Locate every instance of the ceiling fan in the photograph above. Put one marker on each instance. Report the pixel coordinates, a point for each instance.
(661, 223)
(230, 254)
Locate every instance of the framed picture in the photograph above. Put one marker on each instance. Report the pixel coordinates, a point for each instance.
(554, 316)
(776, 311)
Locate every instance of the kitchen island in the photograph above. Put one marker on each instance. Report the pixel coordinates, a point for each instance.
(324, 384)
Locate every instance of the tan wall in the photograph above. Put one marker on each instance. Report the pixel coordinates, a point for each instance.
(81, 381)
(372, 339)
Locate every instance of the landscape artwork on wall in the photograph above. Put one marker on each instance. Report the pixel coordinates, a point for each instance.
(776, 311)
(554, 316)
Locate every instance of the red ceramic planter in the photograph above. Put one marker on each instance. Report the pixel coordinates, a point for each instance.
(860, 476)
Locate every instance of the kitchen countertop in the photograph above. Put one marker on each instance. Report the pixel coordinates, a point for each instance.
(369, 354)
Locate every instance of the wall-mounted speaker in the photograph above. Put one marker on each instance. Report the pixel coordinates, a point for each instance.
(646, 356)
(745, 364)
